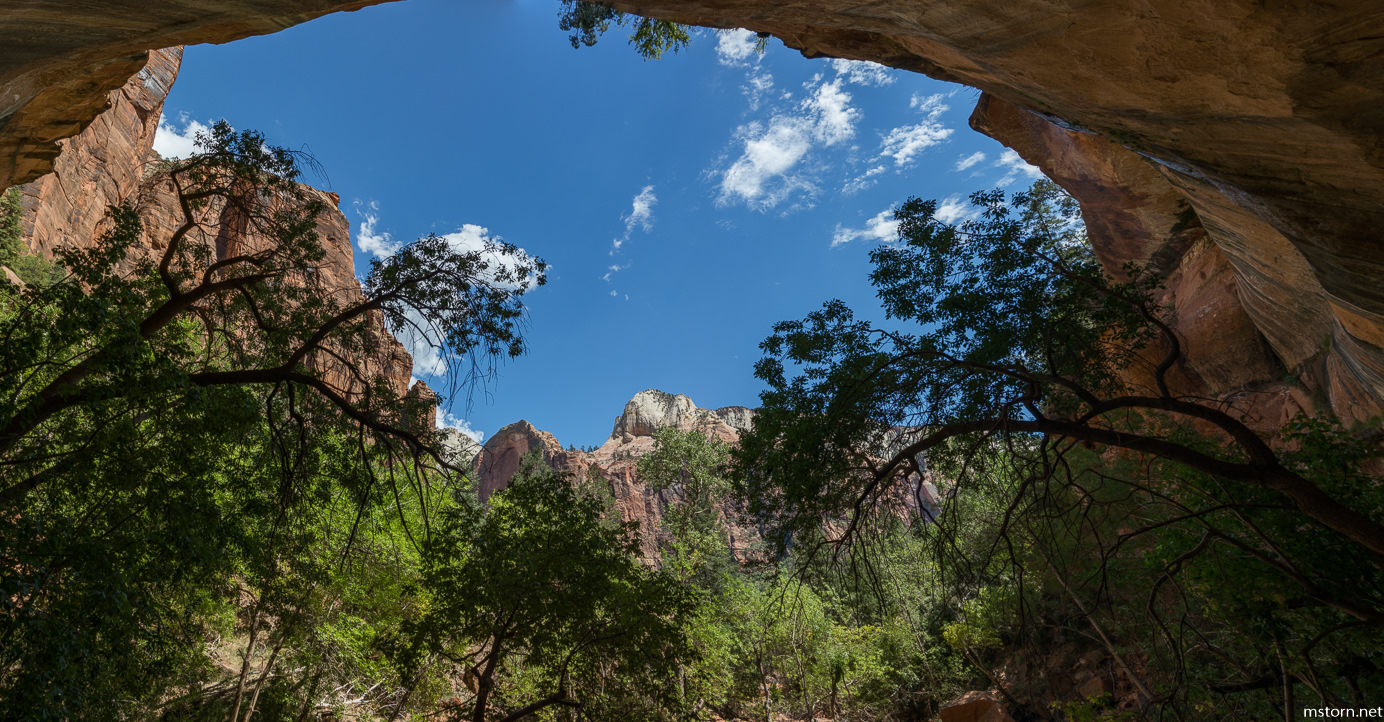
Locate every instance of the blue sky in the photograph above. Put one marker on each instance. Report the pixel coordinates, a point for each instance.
(685, 205)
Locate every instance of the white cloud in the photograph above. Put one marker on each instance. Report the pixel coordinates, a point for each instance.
(471, 237)
(612, 270)
(970, 160)
(953, 209)
(1015, 168)
(862, 72)
(172, 143)
(427, 354)
(371, 240)
(883, 227)
(835, 117)
(423, 342)
(904, 143)
(764, 174)
(757, 87)
(863, 181)
(446, 420)
(734, 48)
(642, 213)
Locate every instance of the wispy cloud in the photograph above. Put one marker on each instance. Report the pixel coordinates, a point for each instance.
(758, 85)
(883, 227)
(642, 211)
(968, 161)
(175, 143)
(641, 216)
(768, 171)
(901, 146)
(954, 209)
(612, 270)
(905, 142)
(863, 72)
(447, 420)
(862, 181)
(368, 238)
(735, 48)
(1015, 168)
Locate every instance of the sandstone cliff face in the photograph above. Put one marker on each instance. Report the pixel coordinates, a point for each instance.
(110, 162)
(59, 59)
(615, 462)
(104, 164)
(1267, 119)
(1235, 344)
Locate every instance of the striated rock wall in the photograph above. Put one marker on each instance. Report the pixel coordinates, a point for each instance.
(110, 162)
(616, 462)
(104, 164)
(1232, 334)
(60, 59)
(1266, 118)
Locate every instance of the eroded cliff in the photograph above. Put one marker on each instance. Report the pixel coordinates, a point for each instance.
(112, 162)
(615, 463)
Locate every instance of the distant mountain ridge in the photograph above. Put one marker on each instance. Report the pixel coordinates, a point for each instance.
(616, 460)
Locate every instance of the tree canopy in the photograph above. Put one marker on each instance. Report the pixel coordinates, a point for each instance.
(542, 604)
(1015, 373)
(187, 415)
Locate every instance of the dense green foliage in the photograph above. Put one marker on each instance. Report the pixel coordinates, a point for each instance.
(545, 607)
(798, 635)
(201, 466)
(1085, 495)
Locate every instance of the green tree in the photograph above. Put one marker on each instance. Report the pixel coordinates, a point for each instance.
(1016, 370)
(693, 466)
(539, 605)
(172, 427)
(587, 21)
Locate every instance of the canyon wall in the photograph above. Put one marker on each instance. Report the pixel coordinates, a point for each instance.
(60, 59)
(615, 463)
(1265, 119)
(112, 162)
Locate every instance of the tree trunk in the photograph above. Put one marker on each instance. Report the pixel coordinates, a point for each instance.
(485, 681)
(312, 692)
(268, 667)
(245, 664)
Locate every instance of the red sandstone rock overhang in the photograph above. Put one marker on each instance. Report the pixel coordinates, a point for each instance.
(1267, 117)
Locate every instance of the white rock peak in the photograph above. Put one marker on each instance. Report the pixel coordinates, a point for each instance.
(652, 409)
